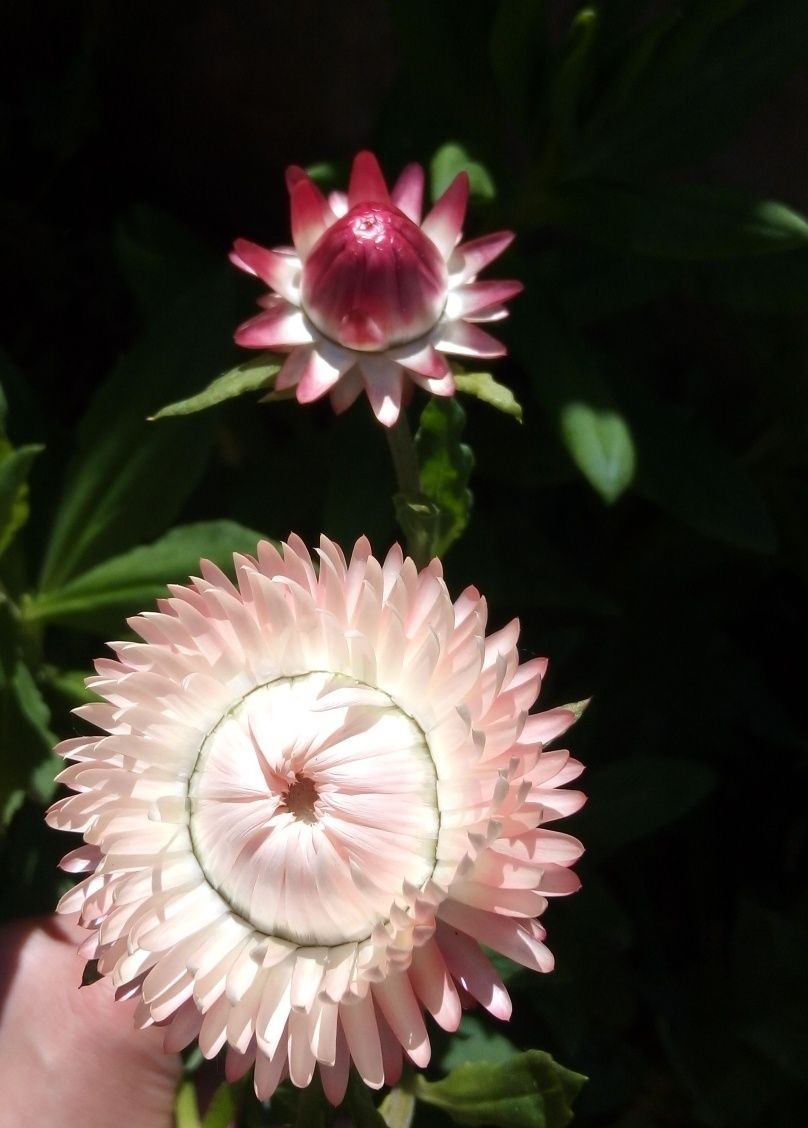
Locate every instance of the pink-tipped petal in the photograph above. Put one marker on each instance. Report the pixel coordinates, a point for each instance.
(280, 328)
(280, 272)
(470, 258)
(425, 360)
(408, 192)
(479, 297)
(294, 367)
(367, 184)
(294, 174)
(445, 222)
(323, 370)
(383, 381)
(347, 391)
(311, 215)
(461, 338)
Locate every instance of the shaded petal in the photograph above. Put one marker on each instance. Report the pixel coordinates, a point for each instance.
(408, 192)
(445, 222)
(346, 391)
(311, 215)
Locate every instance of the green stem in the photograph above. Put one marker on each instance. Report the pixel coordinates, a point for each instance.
(405, 460)
(410, 498)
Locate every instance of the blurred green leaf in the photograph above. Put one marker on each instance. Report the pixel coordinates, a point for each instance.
(518, 49)
(445, 465)
(687, 472)
(221, 1111)
(692, 223)
(158, 257)
(397, 1110)
(128, 478)
(529, 1090)
(451, 159)
(26, 739)
(358, 1104)
(485, 388)
(252, 375)
(99, 600)
(15, 466)
(767, 284)
(568, 87)
(632, 798)
(568, 382)
(475, 1041)
(688, 82)
(69, 684)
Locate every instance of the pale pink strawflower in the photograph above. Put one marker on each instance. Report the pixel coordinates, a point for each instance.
(317, 792)
(372, 296)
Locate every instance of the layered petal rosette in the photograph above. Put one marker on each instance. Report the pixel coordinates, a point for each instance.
(317, 791)
(372, 296)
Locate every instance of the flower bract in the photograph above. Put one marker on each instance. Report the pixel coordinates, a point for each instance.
(371, 296)
(317, 790)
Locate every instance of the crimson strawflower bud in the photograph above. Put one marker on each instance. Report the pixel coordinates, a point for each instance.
(370, 293)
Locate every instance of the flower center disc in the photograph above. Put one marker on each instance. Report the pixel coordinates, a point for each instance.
(312, 802)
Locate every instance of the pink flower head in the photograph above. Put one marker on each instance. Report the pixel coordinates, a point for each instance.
(370, 293)
(316, 792)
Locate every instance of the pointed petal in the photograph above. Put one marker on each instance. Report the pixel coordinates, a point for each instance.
(441, 386)
(293, 369)
(424, 359)
(311, 215)
(346, 391)
(294, 174)
(470, 258)
(323, 369)
(463, 339)
(278, 328)
(408, 192)
(445, 222)
(478, 297)
(367, 181)
(280, 272)
(383, 382)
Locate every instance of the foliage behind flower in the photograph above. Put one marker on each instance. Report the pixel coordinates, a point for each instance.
(317, 792)
(371, 295)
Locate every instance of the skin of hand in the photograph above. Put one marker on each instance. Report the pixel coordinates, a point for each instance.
(71, 1054)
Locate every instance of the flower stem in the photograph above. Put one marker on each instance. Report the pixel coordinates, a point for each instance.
(413, 510)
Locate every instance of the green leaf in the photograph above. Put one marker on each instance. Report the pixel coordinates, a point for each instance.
(677, 223)
(221, 1111)
(252, 375)
(632, 798)
(687, 472)
(100, 599)
(518, 50)
(476, 1041)
(25, 735)
(129, 479)
(451, 159)
(689, 81)
(397, 1110)
(445, 465)
(158, 258)
(15, 466)
(485, 388)
(186, 1109)
(568, 87)
(568, 382)
(528, 1091)
(359, 1105)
